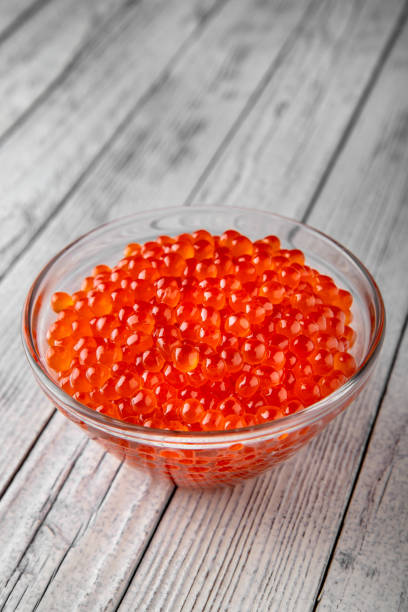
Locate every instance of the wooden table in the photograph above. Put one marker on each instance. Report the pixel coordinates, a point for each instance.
(113, 106)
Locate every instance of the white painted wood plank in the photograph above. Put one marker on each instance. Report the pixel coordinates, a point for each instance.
(156, 161)
(61, 450)
(287, 125)
(52, 238)
(42, 161)
(370, 566)
(57, 549)
(97, 200)
(42, 52)
(94, 507)
(303, 112)
(265, 545)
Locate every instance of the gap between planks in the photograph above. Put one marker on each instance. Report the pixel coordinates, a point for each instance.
(62, 34)
(79, 119)
(401, 23)
(360, 466)
(377, 516)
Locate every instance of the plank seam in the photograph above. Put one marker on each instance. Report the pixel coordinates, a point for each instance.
(29, 12)
(253, 99)
(290, 536)
(3, 606)
(152, 89)
(360, 465)
(56, 570)
(169, 561)
(250, 530)
(21, 597)
(98, 465)
(355, 116)
(134, 571)
(237, 541)
(59, 489)
(26, 454)
(61, 77)
(99, 505)
(220, 516)
(81, 530)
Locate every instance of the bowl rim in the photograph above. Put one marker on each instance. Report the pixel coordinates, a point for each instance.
(285, 424)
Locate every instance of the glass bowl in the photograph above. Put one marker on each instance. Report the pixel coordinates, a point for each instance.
(204, 458)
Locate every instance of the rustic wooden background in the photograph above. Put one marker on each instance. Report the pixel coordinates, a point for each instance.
(113, 106)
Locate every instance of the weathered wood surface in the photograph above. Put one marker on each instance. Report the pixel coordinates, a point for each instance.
(109, 512)
(261, 103)
(266, 544)
(51, 152)
(44, 51)
(371, 558)
(87, 208)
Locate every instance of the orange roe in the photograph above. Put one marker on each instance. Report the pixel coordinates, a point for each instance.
(202, 333)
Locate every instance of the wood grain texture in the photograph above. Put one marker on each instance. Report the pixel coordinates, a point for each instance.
(97, 200)
(29, 554)
(14, 14)
(156, 161)
(43, 52)
(370, 565)
(304, 111)
(270, 501)
(264, 546)
(86, 506)
(45, 158)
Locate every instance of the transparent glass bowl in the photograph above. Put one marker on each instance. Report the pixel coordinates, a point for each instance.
(204, 458)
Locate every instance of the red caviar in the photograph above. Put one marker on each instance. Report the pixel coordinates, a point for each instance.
(201, 333)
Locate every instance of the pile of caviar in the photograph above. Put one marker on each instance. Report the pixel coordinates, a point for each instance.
(200, 332)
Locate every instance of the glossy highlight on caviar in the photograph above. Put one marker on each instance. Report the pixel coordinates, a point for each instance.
(202, 333)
